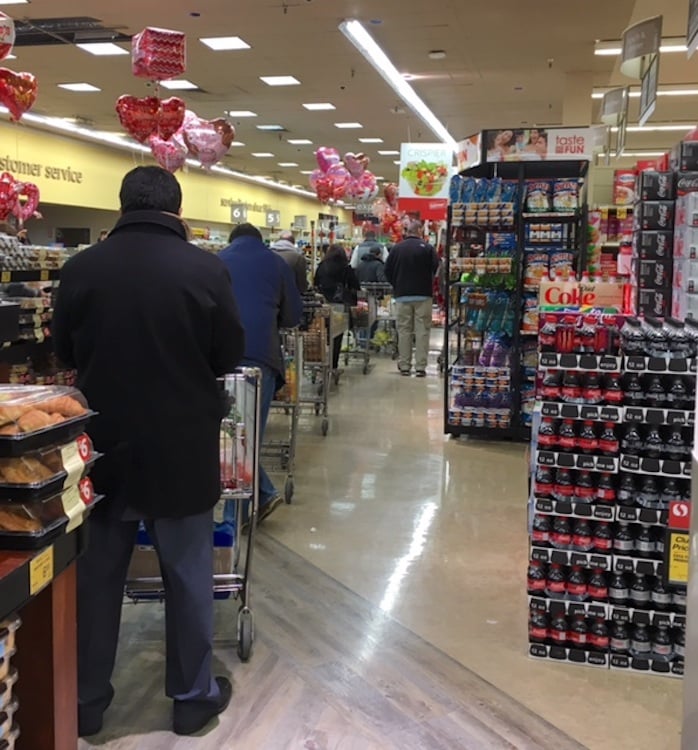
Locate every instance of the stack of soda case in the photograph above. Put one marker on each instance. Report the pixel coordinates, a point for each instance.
(596, 586)
(684, 302)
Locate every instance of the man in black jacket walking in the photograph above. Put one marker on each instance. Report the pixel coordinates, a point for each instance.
(150, 321)
(410, 268)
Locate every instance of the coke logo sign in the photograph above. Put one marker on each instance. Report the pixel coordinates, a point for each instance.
(558, 295)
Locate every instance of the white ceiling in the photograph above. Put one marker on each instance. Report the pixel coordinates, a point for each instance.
(506, 65)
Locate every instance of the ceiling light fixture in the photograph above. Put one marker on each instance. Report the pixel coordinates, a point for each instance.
(179, 84)
(241, 113)
(299, 142)
(222, 43)
(102, 49)
(270, 127)
(437, 54)
(262, 154)
(280, 80)
(389, 153)
(14, 2)
(319, 106)
(306, 171)
(287, 164)
(367, 46)
(614, 48)
(643, 153)
(397, 161)
(659, 128)
(348, 125)
(237, 144)
(82, 88)
(370, 140)
(664, 91)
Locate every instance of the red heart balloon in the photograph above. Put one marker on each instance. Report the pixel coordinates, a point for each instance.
(17, 92)
(138, 117)
(170, 155)
(8, 194)
(171, 117)
(26, 210)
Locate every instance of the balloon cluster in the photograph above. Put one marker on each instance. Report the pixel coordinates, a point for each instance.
(172, 131)
(335, 178)
(18, 91)
(20, 199)
(386, 209)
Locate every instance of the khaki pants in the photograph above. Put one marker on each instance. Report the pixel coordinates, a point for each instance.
(413, 319)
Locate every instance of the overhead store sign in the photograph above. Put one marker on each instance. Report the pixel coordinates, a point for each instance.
(541, 144)
(273, 218)
(614, 111)
(648, 90)
(238, 213)
(469, 152)
(425, 173)
(640, 42)
(300, 222)
(692, 31)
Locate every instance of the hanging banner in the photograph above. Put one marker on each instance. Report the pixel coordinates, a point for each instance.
(648, 90)
(469, 152)
(614, 111)
(425, 172)
(640, 42)
(539, 144)
(692, 31)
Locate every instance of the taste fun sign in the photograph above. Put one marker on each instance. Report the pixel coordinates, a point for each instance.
(544, 144)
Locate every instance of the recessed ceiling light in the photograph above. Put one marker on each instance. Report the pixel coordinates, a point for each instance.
(270, 127)
(79, 87)
(102, 48)
(306, 171)
(288, 164)
(318, 106)
(370, 140)
(437, 54)
(14, 2)
(397, 161)
(11, 57)
(280, 80)
(241, 113)
(389, 153)
(348, 125)
(179, 84)
(299, 142)
(221, 43)
(262, 154)
(237, 143)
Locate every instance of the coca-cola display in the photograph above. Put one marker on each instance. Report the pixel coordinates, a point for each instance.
(612, 441)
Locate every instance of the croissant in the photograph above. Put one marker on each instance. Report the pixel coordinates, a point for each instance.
(12, 521)
(9, 429)
(25, 470)
(9, 414)
(33, 420)
(65, 405)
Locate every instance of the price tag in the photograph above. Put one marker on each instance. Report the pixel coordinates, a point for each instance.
(39, 334)
(41, 571)
(6, 277)
(678, 550)
(73, 507)
(622, 213)
(73, 457)
(44, 276)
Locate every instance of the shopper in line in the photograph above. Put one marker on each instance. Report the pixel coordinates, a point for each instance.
(371, 269)
(150, 321)
(370, 242)
(336, 281)
(269, 300)
(410, 268)
(285, 246)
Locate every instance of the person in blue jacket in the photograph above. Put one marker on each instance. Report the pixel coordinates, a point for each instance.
(268, 299)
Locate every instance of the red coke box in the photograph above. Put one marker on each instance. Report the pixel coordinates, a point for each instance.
(600, 294)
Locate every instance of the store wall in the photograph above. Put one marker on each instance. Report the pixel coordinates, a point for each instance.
(71, 172)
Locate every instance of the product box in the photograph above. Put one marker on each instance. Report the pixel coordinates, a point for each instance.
(656, 186)
(685, 277)
(684, 156)
(654, 302)
(686, 182)
(655, 215)
(687, 210)
(653, 274)
(684, 305)
(653, 244)
(686, 242)
(623, 187)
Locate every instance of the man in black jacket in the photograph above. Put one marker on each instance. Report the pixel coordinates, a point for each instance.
(150, 322)
(410, 268)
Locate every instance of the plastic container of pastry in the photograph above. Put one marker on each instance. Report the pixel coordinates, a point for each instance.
(8, 629)
(8, 743)
(7, 719)
(33, 417)
(5, 666)
(46, 472)
(35, 523)
(7, 688)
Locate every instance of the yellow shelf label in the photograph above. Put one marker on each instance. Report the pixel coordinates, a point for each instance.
(41, 571)
(44, 276)
(679, 550)
(6, 277)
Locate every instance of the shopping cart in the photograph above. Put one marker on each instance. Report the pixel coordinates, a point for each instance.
(363, 317)
(280, 454)
(236, 508)
(380, 297)
(317, 357)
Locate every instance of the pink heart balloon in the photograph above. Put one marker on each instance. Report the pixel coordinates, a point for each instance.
(170, 155)
(205, 142)
(327, 157)
(339, 175)
(352, 163)
(26, 210)
(315, 175)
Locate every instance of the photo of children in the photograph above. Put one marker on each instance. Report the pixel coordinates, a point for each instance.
(517, 145)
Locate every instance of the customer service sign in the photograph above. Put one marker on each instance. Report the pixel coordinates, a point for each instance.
(425, 172)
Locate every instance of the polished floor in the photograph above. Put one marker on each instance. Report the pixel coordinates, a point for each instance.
(391, 610)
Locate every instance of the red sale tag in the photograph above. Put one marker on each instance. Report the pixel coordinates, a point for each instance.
(680, 515)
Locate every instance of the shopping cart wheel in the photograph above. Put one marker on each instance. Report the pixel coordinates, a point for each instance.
(288, 490)
(325, 426)
(245, 633)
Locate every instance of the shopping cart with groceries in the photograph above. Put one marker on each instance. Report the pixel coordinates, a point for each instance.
(317, 357)
(235, 514)
(383, 332)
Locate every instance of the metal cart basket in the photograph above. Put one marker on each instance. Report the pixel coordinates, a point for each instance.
(236, 510)
(317, 358)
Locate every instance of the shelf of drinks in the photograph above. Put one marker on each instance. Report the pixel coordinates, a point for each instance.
(650, 415)
(486, 433)
(624, 564)
(587, 560)
(583, 461)
(572, 655)
(586, 362)
(659, 365)
(550, 216)
(664, 467)
(598, 511)
(595, 413)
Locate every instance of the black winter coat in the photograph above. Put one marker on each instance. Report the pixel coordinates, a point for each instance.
(150, 321)
(334, 280)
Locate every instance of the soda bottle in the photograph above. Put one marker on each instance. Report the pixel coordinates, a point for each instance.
(591, 392)
(633, 393)
(602, 537)
(618, 591)
(564, 485)
(597, 586)
(547, 437)
(680, 643)
(678, 600)
(577, 633)
(556, 582)
(606, 488)
(640, 591)
(631, 443)
(608, 442)
(598, 635)
(550, 387)
(546, 335)
(677, 396)
(543, 484)
(660, 597)
(561, 536)
(662, 647)
(644, 543)
(584, 490)
(587, 442)
(648, 496)
(679, 342)
(659, 543)
(571, 390)
(620, 638)
(536, 580)
(655, 396)
(632, 337)
(538, 627)
(675, 448)
(558, 630)
(566, 436)
(577, 584)
(653, 445)
(587, 334)
(612, 393)
(640, 644)
(540, 533)
(627, 490)
(623, 542)
(670, 492)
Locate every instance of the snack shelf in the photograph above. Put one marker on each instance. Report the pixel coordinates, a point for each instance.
(550, 216)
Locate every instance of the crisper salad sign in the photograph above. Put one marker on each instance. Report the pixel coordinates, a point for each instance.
(425, 171)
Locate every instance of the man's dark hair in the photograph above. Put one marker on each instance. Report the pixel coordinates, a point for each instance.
(245, 230)
(150, 189)
(369, 234)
